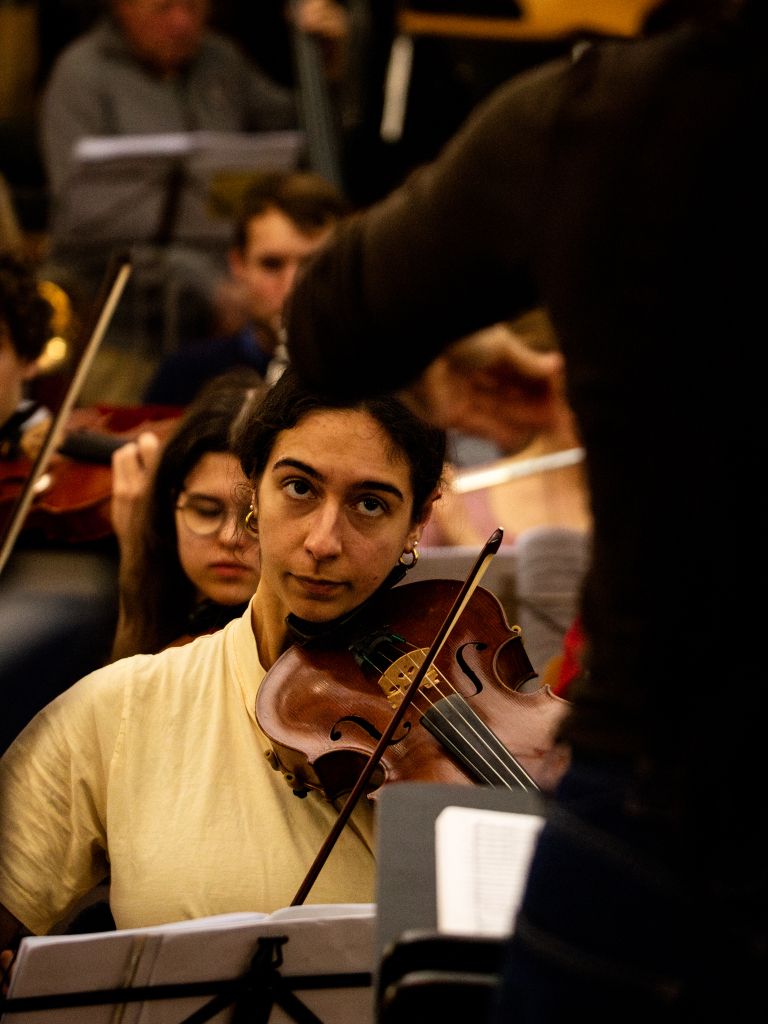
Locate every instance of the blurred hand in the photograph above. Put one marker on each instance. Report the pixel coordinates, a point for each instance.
(9, 930)
(493, 386)
(133, 467)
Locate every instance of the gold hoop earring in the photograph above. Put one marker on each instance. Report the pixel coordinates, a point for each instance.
(414, 558)
(252, 523)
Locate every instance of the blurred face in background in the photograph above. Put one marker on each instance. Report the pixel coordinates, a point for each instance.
(217, 552)
(166, 33)
(275, 249)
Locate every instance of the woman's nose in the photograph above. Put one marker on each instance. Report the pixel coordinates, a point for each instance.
(324, 537)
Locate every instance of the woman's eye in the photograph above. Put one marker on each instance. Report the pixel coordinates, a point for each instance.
(370, 507)
(207, 511)
(298, 488)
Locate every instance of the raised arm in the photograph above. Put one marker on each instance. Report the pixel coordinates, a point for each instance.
(450, 252)
(133, 468)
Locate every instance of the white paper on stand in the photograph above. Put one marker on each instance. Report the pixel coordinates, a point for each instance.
(321, 940)
(118, 185)
(482, 861)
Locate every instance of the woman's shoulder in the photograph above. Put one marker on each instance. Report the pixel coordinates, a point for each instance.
(209, 659)
(103, 696)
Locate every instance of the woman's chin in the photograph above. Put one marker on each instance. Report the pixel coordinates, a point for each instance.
(230, 594)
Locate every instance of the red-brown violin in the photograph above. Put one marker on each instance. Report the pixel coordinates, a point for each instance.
(327, 705)
(324, 708)
(72, 503)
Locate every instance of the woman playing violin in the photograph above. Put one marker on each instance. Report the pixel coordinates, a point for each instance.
(153, 769)
(186, 565)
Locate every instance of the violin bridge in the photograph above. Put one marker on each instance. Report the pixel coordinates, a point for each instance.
(398, 677)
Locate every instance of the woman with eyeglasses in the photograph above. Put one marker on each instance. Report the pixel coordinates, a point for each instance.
(188, 565)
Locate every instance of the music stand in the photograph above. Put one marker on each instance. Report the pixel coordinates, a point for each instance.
(423, 971)
(120, 189)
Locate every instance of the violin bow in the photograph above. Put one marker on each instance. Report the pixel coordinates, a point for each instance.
(101, 315)
(508, 469)
(466, 592)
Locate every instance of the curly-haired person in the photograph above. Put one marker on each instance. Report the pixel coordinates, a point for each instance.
(24, 329)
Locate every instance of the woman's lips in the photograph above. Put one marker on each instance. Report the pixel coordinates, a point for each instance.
(318, 587)
(231, 570)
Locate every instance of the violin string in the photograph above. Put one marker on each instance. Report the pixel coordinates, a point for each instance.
(525, 781)
(472, 728)
(467, 723)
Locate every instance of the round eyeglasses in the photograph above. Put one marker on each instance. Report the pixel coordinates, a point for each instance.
(206, 516)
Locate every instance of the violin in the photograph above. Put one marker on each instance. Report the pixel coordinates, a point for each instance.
(72, 498)
(443, 709)
(112, 288)
(325, 706)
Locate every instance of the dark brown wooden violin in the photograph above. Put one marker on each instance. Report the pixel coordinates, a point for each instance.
(327, 705)
(112, 288)
(324, 708)
(73, 496)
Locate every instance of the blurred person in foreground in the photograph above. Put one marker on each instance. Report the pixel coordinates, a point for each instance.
(624, 189)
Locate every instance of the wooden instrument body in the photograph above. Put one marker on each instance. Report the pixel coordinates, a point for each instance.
(323, 713)
(73, 506)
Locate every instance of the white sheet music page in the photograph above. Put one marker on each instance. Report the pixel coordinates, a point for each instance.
(319, 940)
(483, 859)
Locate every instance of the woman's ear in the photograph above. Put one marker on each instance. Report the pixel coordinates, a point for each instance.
(426, 511)
(414, 535)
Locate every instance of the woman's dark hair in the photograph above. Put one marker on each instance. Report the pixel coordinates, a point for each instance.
(421, 445)
(23, 310)
(164, 596)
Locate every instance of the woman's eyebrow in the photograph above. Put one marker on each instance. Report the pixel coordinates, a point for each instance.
(301, 466)
(360, 485)
(379, 485)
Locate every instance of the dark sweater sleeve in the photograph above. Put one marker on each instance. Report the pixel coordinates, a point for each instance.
(450, 252)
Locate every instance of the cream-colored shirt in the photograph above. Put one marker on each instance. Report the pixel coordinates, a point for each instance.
(153, 770)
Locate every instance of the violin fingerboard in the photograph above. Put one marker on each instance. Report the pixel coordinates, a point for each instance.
(460, 729)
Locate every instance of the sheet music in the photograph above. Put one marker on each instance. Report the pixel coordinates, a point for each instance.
(334, 939)
(117, 187)
(482, 859)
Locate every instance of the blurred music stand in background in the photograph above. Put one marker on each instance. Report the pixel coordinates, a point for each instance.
(170, 200)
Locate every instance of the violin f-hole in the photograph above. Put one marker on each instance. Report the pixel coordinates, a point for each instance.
(462, 663)
(369, 728)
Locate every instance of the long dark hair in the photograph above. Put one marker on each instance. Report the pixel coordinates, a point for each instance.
(161, 602)
(421, 445)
